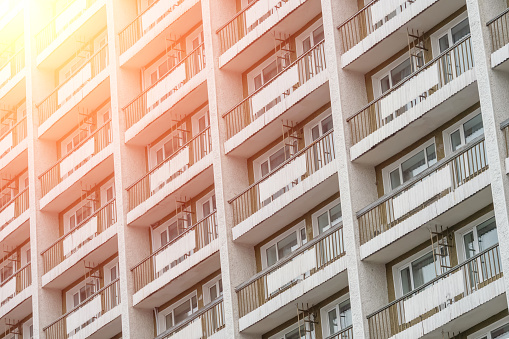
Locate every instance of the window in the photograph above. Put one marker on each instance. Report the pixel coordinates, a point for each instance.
(178, 312)
(283, 245)
(497, 330)
(172, 229)
(453, 35)
(213, 290)
(81, 213)
(85, 292)
(327, 217)
(169, 145)
(480, 238)
(206, 205)
(467, 130)
(409, 166)
(305, 331)
(336, 316)
(311, 38)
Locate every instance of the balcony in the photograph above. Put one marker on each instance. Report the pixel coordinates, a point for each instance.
(456, 186)
(15, 294)
(247, 37)
(284, 194)
(424, 101)
(189, 168)
(379, 30)
(310, 274)
(347, 333)
(12, 73)
(86, 86)
(88, 163)
(14, 218)
(144, 38)
(56, 41)
(13, 149)
(305, 82)
(92, 240)
(99, 316)
(467, 294)
(182, 89)
(193, 254)
(206, 323)
(499, 27)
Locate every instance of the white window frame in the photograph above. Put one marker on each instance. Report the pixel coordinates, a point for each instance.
(308, 33)
(156, 233)
(314, 216)
(435, 47)
(446, 135)
(459, 234)
(153, 149)
(387, 170)
(295, 229)
(308, 138)
(197, 33)
(204, 112)
(162, 314)
(74, 210)
(69, 296)
(283, 333)
(26, 329)
(201, 201)
(258, 70)
(147, 71)
(486, 331)
(104, 189)
(324, 311)
(206, 288)
(257, 163)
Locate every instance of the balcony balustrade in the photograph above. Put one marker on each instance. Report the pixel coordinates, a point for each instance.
(15, 284)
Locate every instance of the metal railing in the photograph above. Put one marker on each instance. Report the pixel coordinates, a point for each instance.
(198, 147)
(16, 60)
(211, 318)
(49, 33)
(346, 333)
(317, 154)
(255, 292)
(22, 279)
(476, 273)
(361, 24)
(450, 64)
(53, 176)
(504, 126)
(499, 30)
(98, 62)
(18, 133)
(193, 63)
(464, 165)
(20, 202)
(110, 298)
(238, 27)
(54, 255)
(205, 232)
(307, 66)
(134, 31)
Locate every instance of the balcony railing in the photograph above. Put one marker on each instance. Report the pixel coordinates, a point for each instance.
(346, 333)
(169, 84)
(370, 18)
(14, 208)
(414, 89)
(80, 155)
(88, 229)
(172, 167)
(499, 30)
(436, 295)
(429, 186)
(504, 126)
(206, 321)
(79, 78)
(15, 60)
(306, 67)
(104, 300)
(15, 284)
(300, 265)
(283, 178)
(60, 22)
(13, 137)
(145, 21)
(186, 244)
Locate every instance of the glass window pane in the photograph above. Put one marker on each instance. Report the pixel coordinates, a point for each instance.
(406, 281)
(431, 155)
(335, 214)
(443, 43)
(473, 128)
(269, 72)
(385, 84)
(327, 124)
(323, 222)
(169, 321)
(173, 231)
(501, 332)
(294, 334)
(413, 166)
(159, 156)
(271, 255)
(182, 311)
(265, 168)
(277, 159)
(345, 314)
(468, 240)
(332, 319)
(395, 179)
(287, 245)
(303, 237)
(423, 270)
(487, 234)
(213, 293)
(460, 30)
(258, 82)
(315, 133)
(401, 71)
(318, 35)
(455, 140)
(306, 45)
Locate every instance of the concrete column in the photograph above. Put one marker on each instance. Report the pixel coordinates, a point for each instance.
(494, 100)
(133, 243)
(230, 173)
(367, 281)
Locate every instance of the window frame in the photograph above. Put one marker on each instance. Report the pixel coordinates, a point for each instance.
(210, 196)
(158, 231)
(324, 311)
(163, 313)
(206, 289)
(387, 170)
(308, 33)
(281, 334)
(446, 134)
(160, 145)
(486, 331)
(326, 208)
(297, 228)
(435, 37)
(459, 234)
(308, 135)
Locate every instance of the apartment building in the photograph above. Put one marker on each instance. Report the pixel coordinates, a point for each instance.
(294, 169)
